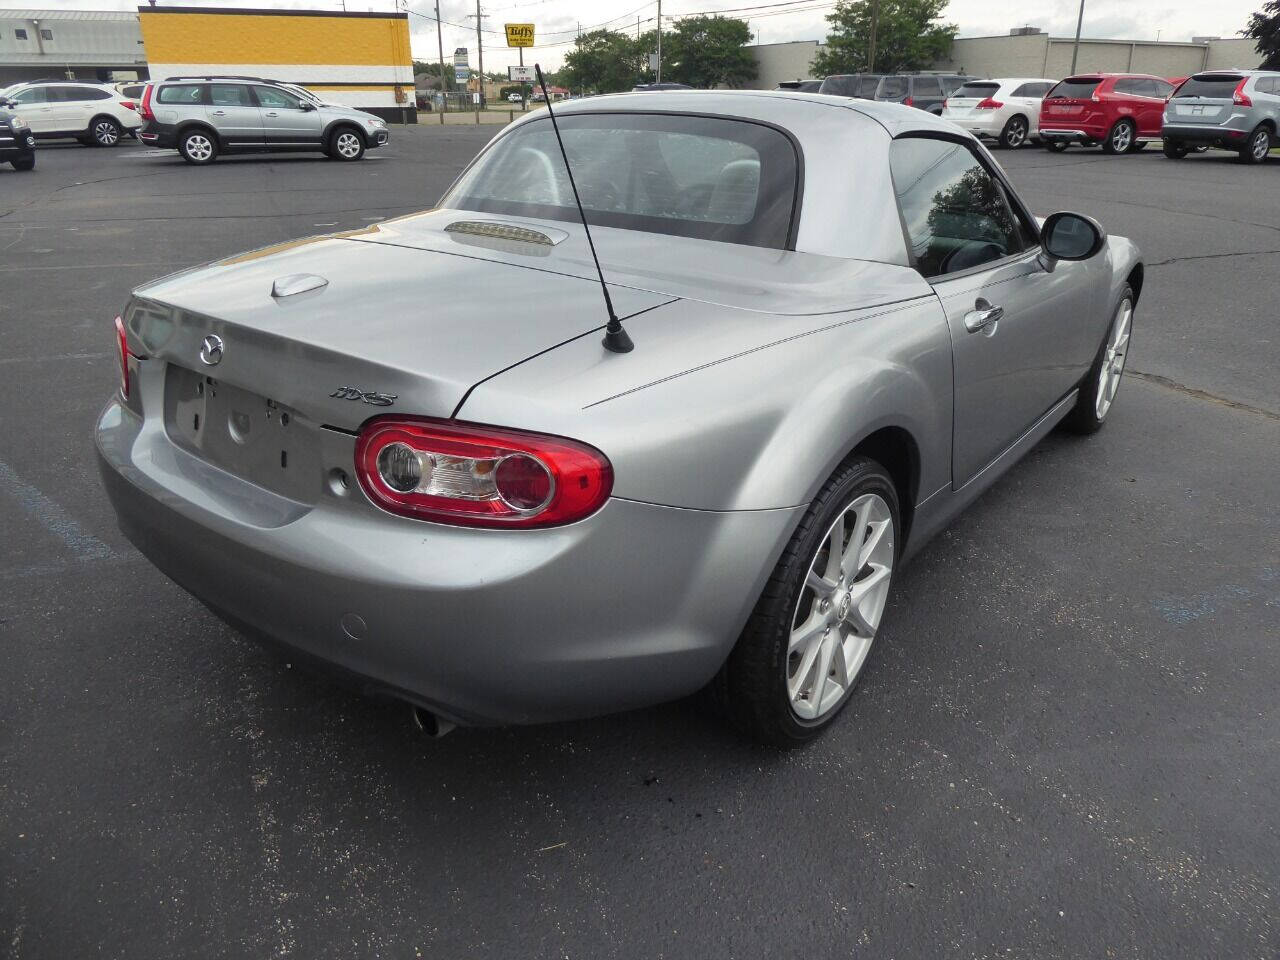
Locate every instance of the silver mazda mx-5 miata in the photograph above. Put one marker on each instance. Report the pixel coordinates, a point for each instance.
(407, 451)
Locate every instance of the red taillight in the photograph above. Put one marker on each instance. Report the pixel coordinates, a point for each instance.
(477, 476)
(1239, 98)
(909, 102)
(945, 102)
(122, 347)
(989, 104)
(128, 104)
(146, 103)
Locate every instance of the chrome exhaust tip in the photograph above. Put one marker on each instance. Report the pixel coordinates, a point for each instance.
(433, 726)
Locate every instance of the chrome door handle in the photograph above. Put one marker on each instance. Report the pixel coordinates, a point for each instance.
(219, 113)
(983, 317)
(273, 114)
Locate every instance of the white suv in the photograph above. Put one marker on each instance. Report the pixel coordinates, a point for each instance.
(1004, 110)
(94, 113)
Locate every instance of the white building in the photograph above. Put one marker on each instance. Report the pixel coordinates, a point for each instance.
(70, 44)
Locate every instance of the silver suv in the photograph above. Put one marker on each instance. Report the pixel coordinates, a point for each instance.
(202, 117)
(1237, 110)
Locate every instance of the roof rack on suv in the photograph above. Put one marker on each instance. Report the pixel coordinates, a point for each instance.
(223, 76)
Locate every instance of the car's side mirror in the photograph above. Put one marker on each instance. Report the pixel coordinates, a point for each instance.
(1071, 236)
(307, 106)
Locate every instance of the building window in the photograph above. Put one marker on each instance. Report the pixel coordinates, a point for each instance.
(46, 34)
(19, 34)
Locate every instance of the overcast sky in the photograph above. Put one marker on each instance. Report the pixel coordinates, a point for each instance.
(773, 21)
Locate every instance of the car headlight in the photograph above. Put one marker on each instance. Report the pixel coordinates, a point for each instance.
(375, 122)
(15, 122)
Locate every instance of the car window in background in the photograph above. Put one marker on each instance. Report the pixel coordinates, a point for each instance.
(1071, 89)
(978, 90)
(867, 88)
(840, 86)
(951, 84)
(1027, 90)
(269, 97)
(1129, 86)
(956, 214)
(181, 93)
(1217, 86)
(1162, 88)
(928, 87)
(229, 95)
(711, 178)
(892, 88)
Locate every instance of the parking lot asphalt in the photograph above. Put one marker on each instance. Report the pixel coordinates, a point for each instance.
(1065, 744)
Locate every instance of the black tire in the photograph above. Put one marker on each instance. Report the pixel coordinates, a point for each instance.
(24, 163)
(1175, 149)
(1257, 146)
(1120, 137)
(1083, 418)
(1055, 146)
(1138, 146)
(1014, 134)
(346, 144)
(103, 132)
(752, 685)
(198, 146)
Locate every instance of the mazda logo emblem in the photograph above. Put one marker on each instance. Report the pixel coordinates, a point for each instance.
(211, 349)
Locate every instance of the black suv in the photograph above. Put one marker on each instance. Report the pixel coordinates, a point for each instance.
(17, 145)
(923, 90)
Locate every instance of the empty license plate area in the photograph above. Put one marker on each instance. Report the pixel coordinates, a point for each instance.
(244, 433)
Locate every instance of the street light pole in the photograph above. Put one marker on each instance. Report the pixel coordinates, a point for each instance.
(1075, 50)
(480, 51)
(444, 93)
(871, 46)
(659, 70)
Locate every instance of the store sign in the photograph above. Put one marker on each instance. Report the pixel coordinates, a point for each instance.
(519, 34)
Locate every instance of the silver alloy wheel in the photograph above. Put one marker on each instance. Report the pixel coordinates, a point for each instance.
(348, 145)
(1261, 145)
(1113, 360)
(199, 147)
(1122, 137)
(106, 133)
(840, 606)
(1017, 133)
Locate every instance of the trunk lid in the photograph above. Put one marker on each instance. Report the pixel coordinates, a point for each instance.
(422, 327)
(1205, 99)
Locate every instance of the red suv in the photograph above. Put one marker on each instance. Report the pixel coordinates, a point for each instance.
(1121, 111)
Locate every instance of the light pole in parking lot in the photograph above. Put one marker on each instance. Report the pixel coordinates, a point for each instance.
(1075, 50)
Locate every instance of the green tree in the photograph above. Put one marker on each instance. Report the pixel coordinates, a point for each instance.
(708, 52)
(432, 69)
(908, 36)
(1264, 26)
(604, 61)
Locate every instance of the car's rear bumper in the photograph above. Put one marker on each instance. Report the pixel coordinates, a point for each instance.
(635, 605)
(1071, 134)
(1224, 135)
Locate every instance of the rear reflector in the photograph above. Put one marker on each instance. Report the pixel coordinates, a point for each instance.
(122, 348)
(477, 476)
(1239, 98)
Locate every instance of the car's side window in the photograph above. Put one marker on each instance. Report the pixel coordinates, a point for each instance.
(955, 212)
(187, 94)
(1162, 89)
(230, 95)
(1127, 85)
(271, 97)
(928, 87)
(31, 95)
(1266, 85)
(1026, 90)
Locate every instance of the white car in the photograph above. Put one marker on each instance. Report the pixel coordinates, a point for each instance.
(1004, 110)
(96, 114)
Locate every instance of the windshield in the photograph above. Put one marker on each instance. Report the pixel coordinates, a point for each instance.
(979, 90)
(892, 88)
(1219, 87)
(1073, 88)
(706, 177)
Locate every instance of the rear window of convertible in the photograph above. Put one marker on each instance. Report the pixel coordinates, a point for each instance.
(706, 177)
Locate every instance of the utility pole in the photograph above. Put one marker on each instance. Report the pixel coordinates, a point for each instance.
(871, 45)
(659, 70)
(480, 51)
(444, 93)
(1075, 50)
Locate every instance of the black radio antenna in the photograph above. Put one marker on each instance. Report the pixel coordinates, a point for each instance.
(615, 338)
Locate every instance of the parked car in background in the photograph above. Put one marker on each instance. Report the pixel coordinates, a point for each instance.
(131, 89)
(202, 117)
(801, 86)
(656, 87)
(866, 344)
(93, 113)
(1004, 110)
(1236, 110)
(924, 91)
(1121, 111)
(17, 144)
(860, 85)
